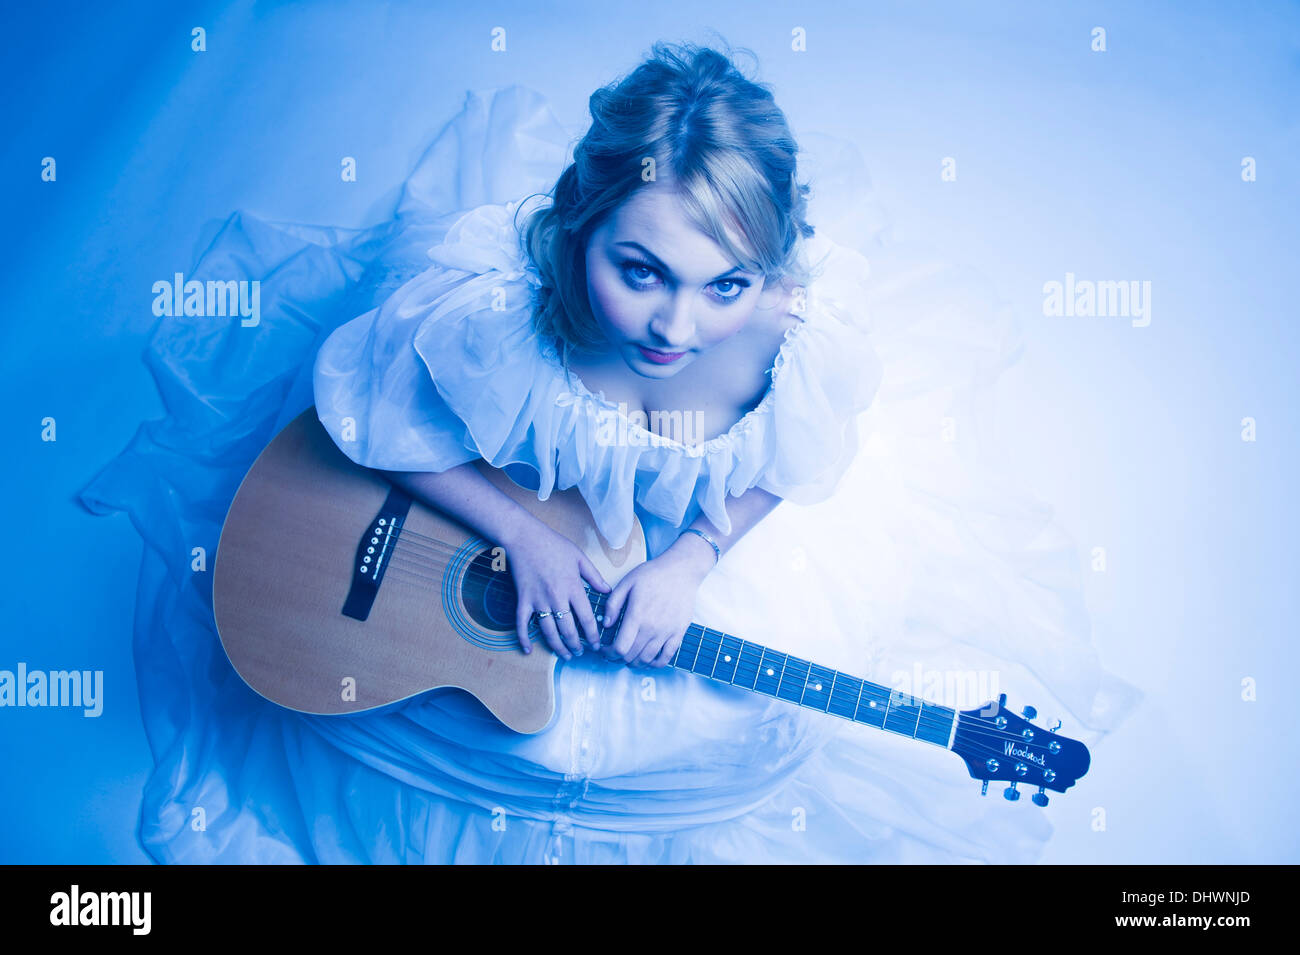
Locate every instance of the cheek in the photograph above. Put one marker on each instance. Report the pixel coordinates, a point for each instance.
(615, 306)
(724, 323)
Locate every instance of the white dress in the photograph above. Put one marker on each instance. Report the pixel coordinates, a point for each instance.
(896, 556)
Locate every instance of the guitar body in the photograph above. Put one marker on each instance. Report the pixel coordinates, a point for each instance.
(312, 536)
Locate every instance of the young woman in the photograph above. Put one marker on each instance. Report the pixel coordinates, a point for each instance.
(663, 282)
(664, 329)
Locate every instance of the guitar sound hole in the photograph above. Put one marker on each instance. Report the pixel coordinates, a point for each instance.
(489, 595)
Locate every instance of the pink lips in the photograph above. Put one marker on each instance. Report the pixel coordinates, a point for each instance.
(660, 357)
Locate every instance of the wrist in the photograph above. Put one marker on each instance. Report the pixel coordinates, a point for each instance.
(518, 527)
(694, 553)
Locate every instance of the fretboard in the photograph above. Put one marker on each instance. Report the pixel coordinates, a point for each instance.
(750, 666)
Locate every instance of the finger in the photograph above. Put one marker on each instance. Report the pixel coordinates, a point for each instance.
(591, 574)
(547, 626)
(666, 654)
(586, 619)
(613, 607)
(568, 630)
(649, 650)
(625, 641)
(523, 618)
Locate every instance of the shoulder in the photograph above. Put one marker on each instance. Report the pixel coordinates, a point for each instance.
(766, 332)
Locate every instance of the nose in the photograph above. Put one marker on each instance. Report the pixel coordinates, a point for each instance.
(674, 324)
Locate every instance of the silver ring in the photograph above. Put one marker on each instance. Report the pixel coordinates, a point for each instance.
(543, 613)
(560, 613)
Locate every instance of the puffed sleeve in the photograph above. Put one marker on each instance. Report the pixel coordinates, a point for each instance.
(827, 374)
(375, 392)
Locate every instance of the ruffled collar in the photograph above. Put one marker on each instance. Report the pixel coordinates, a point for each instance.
(602, 408)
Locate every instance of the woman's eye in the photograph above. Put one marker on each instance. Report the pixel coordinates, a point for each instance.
(638, 272)
(735, 288)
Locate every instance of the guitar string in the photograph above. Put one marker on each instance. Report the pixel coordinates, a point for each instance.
(409, 572)
(434, 558)
(925, 720)
(439, 563)
(436, 546)
(972, 724)
(928, 721)
(975, 724)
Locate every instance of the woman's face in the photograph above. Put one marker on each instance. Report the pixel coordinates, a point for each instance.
(664, 292)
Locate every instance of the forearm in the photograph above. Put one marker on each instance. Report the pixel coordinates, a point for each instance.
(745, 512)
(465, 494)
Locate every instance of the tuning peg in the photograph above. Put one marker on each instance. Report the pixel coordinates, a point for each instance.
(1056, 727)
(1029, 712)
(1011, 794)
(984, 790)
(1039, 798)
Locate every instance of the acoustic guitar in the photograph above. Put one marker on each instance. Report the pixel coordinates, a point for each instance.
(337, 593)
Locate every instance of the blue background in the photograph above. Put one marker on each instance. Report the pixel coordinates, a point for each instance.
(1116, 165)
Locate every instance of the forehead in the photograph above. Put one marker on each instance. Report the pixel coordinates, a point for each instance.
(656, 218)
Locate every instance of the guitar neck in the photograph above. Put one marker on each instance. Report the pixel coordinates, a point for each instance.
(728, 659)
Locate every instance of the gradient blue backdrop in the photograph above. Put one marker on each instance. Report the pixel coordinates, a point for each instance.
(1115, 165)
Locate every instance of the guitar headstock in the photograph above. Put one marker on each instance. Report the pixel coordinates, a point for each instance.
(996, 744)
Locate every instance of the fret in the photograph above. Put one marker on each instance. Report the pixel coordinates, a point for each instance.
(676, 660)
(717, 655)
(844, 698)
(707, 661)
(903, 715)
(791, 667)
(872, 705)
(818, 699)
(938, 726)
(692, 651)
(745, 661)
(831, 692)
(768, 679)
(854, 714)
(598, 608)
(692, 642)
(726, 670)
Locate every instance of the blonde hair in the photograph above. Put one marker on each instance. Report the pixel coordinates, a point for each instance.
(722, 141)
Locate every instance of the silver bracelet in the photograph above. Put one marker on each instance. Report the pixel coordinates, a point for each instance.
(717, 551)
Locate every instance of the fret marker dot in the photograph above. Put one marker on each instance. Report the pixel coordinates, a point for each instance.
(727, 658)
(770, 671)
(818, 687)
(873, 703)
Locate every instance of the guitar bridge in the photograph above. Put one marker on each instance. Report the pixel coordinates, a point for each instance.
(373, 550)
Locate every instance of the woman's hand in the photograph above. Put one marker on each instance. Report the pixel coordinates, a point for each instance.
(659, 597)
(548, 571)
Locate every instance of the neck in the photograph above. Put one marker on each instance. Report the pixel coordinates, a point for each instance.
(728, 659)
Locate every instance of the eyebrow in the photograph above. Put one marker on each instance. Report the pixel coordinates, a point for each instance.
(659, 262)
